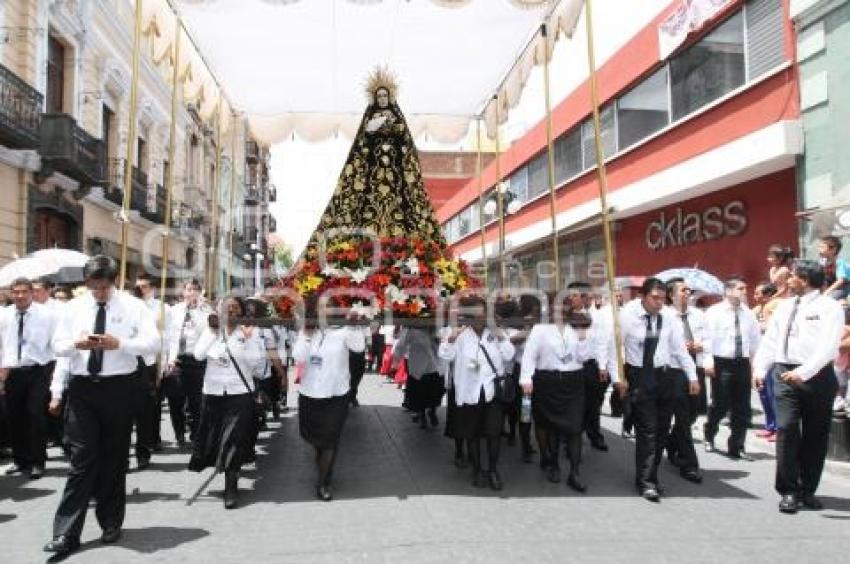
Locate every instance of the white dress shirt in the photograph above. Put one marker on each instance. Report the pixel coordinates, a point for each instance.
(127, 319)
(37, 346)
(720, 332)
(419, 347)
(221, 377)
(696, 321)
(272, 340)
(472, 372)
(814, 338)
(550, 347)
(191, 329)
(60, 377)
(671, 338)
(325, 358)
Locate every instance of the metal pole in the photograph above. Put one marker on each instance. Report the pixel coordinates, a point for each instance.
(603, 187)
(551, 159)
(216, 188)
(131, 140)
(230, 211)
(499, 201)
(169, 181)
(479, 173)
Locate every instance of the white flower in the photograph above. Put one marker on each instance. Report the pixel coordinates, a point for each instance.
(412, 265)
(396, 295)
(357, 276)
(369, 312)
(330, 271)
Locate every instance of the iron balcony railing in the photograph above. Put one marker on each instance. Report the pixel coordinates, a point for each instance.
(20, 112)
(67, 148)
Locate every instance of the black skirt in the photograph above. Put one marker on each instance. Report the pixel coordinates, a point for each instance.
(558, 401)
(425, 393)
(483, 419)
(451, 409)
(224, 432)
(320, 420)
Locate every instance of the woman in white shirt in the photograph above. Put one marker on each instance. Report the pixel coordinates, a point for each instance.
(233, 355)
(553, 373)
(324, 398)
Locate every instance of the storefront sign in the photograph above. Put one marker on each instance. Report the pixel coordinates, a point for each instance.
(678, 229)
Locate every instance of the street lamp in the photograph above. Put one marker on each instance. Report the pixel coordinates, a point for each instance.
(502, 202)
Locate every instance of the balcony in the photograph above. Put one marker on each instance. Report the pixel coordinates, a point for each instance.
(272, 194)
(113, 190)
(252, 152)
(20, 112)
(155, 212)
(67, 148)
(272, 224)
(252, 195)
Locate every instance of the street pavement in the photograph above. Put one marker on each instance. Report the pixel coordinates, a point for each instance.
(399, 498)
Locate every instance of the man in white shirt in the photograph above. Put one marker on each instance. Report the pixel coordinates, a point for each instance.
(102, 333)
(800, 343)
(732, 338)
(652, 338)
(26, 330)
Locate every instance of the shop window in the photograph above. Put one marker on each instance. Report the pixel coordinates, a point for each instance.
(568, 161)
(538, 176)
(643, 110)
(608, 132)
(709, 69)
(765, 36)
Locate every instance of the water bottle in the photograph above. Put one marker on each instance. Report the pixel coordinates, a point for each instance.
(525, 409)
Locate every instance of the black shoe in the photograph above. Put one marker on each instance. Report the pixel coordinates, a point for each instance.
(599, 445)
(495, 480)
(479, 479)
(36, 472)
(62, 545)
(142, 462)
(575, 483)
(110, 535)
(788, 504)
(692, 476)
(181, 441)
(354, 402)
(324, 493)
(739, 454)
(553, 474)
(649, 493)
(809, 501)
(432, 418)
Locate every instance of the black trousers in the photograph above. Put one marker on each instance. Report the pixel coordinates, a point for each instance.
(699, 402)
(377, 348)
(356, 367)
(147, 411)
(97, 433)
(171, 390)
(731, 389)
(803, 416)
(27, 396)
(192, 380)
(681, 441)
(651, 409)
(594, 397)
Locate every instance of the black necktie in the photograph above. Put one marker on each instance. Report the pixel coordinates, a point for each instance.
(181, 348)
(739, 340)
(95, 364)
(20, 334)
(788, 328)
(650, 344)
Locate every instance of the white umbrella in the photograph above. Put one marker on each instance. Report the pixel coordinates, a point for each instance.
(30, 268)
(57, 259)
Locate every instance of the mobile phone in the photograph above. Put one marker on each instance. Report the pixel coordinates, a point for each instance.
(93, 337)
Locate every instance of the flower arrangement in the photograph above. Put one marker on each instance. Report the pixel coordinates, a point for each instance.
(370, 275)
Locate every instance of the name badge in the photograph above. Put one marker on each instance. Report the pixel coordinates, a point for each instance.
(474, 365)
(222, 361)
(812, 317)
(316, 360)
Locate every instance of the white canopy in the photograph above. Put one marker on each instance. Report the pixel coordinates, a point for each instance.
(297, 67)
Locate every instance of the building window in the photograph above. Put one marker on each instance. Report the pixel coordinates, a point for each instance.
(142, 155)
(608, 132)
(709, 69)
(518, 184)
(107, 129)
(765, 36)
(55, 98)
(464, 223)
(538, 175)
(644, 110)
(568, 161)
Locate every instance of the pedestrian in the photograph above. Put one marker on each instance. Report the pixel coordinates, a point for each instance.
(765, 296)
(686, 408)
(529, 315)
(376, 347)
(102, 333)
(479, 354)
(425, 386)
(780, 258)
(324, 398)
(798, 349)
(233, 354)
(732, 340)
(26, 330)
(836, 270)
(652, 336)
(188, 319)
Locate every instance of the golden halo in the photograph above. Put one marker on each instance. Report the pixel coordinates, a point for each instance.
(381, 77)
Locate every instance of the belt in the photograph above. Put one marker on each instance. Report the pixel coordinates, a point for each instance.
(560, 373)
(726, 359)
(101, 379)
(657, 369)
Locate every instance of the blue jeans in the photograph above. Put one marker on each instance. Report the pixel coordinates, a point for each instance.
(767, 394)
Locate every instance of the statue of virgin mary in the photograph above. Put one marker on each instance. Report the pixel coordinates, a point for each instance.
(380, 187)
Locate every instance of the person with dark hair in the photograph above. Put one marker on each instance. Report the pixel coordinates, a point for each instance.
(376, 347)
(797, 352)
(765, 296)
(780, 258)
(652, 337)
(102, 332)
(733, 337)
(836, 271)
(425, 387)
(26, 332)
(529, 313)
(41, 290)
(234, 354)
(479, 354)
(184, 375)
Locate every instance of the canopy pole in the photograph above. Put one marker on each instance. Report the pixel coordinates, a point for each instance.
(551, 159)
(169, 184)
(131, 140)
(499, 201)
(229, 274)
(212, 284)
(479, 173)
(603, 189)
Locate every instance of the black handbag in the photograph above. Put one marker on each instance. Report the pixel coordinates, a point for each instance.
(505, 385)
(259, 403)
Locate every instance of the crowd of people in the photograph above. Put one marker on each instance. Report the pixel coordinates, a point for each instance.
(85, 371)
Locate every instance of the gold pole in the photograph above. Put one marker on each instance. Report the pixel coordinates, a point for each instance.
(169, 181)
(216, 187)
(131, 140)
(603, 187)
(499, 201)
(232, 192)
(479, 171)
(551, 159)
